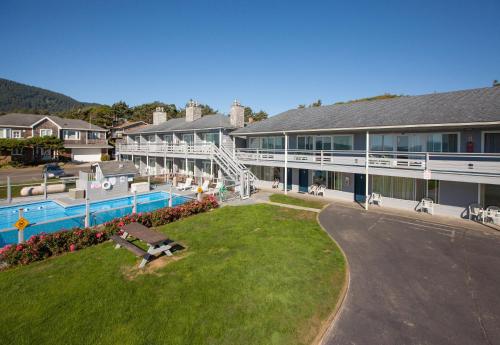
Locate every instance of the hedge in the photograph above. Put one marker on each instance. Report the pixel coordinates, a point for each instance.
(42, 246)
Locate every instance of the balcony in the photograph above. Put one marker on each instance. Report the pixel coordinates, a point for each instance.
(460, 167)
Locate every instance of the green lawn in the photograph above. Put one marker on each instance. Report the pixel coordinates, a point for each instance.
(285, 199)
(256, 274)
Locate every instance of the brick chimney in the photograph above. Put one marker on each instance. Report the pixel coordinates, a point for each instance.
(193, 111)
(237, 114)
(159, 116)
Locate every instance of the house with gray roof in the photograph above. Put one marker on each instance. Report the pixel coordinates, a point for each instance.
(441, 147)
(83, 141)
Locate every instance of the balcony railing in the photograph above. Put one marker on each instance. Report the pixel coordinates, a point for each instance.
(486, 164)
(459, 163)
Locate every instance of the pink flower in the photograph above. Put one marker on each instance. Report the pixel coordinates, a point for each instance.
(19, 247)
(121, 224)
(98, 235)
(72, 248)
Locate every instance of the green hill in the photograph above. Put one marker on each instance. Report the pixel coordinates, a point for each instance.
(17, 97)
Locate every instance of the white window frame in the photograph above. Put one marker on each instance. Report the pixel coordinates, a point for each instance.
(441, 133)
(483, 137)
(343, 135)
(305, 136)
(67, 137)
(16, 131)
(94, 132)
(45, 130)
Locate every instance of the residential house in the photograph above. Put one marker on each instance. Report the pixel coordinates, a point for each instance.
(83, 141)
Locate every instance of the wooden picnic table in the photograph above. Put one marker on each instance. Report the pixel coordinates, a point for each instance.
(157, 242)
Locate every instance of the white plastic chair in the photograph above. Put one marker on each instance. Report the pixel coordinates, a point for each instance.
(312, 189)
(186, 185)
(476, 212)
(276, 183)
(216, 189)
(376, 198)
(427, 205)
(321, 190)
(492, 214)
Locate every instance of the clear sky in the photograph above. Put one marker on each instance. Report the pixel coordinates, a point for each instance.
(269, 55)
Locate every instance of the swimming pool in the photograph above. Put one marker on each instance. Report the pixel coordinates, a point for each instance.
(50, 216)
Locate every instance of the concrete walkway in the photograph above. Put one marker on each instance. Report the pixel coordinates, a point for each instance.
(415, 280)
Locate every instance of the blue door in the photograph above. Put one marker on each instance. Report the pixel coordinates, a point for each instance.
(303, 180)
(359, 187)
(289, 179)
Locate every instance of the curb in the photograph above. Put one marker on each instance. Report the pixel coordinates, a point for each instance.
(334, 316)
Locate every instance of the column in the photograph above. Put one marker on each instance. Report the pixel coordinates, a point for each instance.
(366, 168)
(286, 163)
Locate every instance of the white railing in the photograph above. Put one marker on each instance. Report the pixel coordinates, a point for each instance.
(487, 164)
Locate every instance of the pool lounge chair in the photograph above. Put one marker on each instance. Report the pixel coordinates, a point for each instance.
(427, 205)
(204, 187)
(216, 189)
(186, 185)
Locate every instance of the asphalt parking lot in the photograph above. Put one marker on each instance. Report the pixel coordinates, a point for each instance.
(414, 280)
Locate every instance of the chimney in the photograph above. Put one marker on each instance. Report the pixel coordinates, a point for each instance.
(193, 111)
(159, 116)
(237, 114)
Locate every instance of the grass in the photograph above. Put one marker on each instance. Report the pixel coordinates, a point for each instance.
(256, 274)
(285, 199)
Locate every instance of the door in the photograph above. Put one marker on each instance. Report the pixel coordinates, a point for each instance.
(303, 180)
(289, 179)
(402, 145)
(359, 187)
(491, 142)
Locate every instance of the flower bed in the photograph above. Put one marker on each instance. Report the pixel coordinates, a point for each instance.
(42, 246)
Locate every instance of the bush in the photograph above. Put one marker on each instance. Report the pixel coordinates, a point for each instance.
(104, 157)
(42, 246)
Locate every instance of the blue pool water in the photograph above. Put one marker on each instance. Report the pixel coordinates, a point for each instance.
(49, 216)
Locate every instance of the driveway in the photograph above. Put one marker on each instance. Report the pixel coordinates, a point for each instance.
(415, 281)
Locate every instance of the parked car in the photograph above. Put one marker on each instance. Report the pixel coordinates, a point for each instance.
(53, 170)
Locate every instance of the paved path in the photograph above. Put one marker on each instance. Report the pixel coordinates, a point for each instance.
(30, 174)
(415, 282)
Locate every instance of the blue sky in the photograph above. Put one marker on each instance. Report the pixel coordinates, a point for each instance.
(269, 55)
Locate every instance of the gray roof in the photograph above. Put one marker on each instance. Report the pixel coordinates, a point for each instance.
(27, 120)
(114, 168)
(458, 107)
(180, 124)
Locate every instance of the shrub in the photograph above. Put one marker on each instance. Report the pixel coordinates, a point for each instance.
(42, 246)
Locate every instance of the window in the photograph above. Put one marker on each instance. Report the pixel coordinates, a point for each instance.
(394, 187)
(93, 135)
(342, 142)
(152, 138)
(16, 134)
(210, 138)
(4, 133)
(46, 132)
(381, 142)
(253, 143)
(70, 134)
(319, 177)
(18, 151)
(335, 180)
(305, 142)
(188, 139)
(438, 142)
(168, 139)
(323, 143)
(205, 168)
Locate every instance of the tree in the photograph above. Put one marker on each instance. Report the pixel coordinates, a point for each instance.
(496, 83)
(316, 104)
(301, 106)
(250, 114)
(144, 112)
(121, 111)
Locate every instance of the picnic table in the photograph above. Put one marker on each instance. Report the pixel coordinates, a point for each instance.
(157, 242)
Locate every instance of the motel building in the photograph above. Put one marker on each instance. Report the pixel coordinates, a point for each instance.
(443, 146)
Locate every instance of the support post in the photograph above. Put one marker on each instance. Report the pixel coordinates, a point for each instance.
(286, 163)
(170, 196)
(45, 185)
(20, 233)
(9, 191)
(134, 205)
(479, 193)
(87, 211)
(367, 156)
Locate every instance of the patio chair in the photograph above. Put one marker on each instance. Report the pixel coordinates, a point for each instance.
(276, 183)
(216, 189)
(427, 205)
(312, 189)
(204, 187)
(376, 198)
(492, 214)
(476, 212)
(186, 185)
(321, 190)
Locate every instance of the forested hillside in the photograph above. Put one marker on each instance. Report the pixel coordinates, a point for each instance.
(17, 97)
